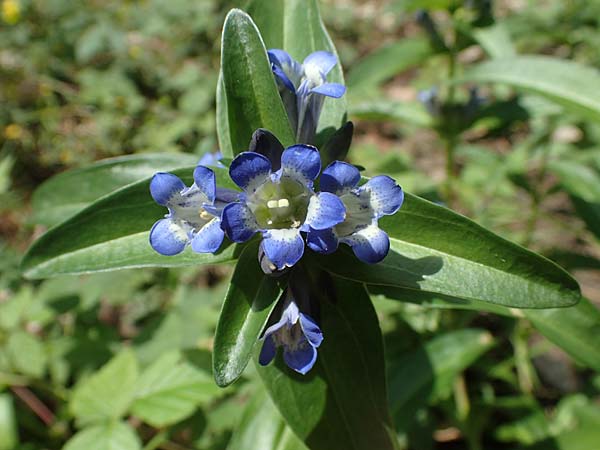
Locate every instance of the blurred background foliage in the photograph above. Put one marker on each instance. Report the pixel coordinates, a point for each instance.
(125, 356)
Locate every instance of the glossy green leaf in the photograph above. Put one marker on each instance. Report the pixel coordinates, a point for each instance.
(108, 393)
(342, 401)
(575, 329)
(568, 83)
(170, 390)
(262, 427)
(436, 250)
(427, 373)
(252, 97)
(303, 34)
(386, 62)
(69, 192)
(109, 436)
(112, 233)
(248, 303)
(9, 436)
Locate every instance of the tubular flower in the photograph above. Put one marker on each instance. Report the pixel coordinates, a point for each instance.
(298, 334)
(364, 206)
(303, 88)
(194, 212)
(280, 204)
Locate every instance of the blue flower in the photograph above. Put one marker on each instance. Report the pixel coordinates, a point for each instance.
(364, 206)
(303, 88)
(194, 212)
(211, 159)
(280, 204)
(299, 336)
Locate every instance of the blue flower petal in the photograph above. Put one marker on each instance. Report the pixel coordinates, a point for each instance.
(248, 170)
(238, 222)
(325, 210)
(386, 196)
(268, 351)
(283, 247)
(205, 180)
(211, 159)
(209, 238)
(322, 241)
(301, 162)
(338, 177)
(168, 237)
(164, 186)
(302, 359)
(370, 245)
(325, 61)
(311, 330)
(283, 64)
(334, 90)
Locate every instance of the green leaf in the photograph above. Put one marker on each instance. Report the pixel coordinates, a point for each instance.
(304, 33)
(8, 425)
(26, 354)
(252, 96)
(386, 62)
(262, 427)
(110, 436)
(112, 233)
(268, 17)
(495, 40)
(568, 83)
(384, 110)
(427, 373)
(170, 390)
(107, 394)
(436, 250)
(342, 401)
(69, 192)
(578, 179)
(251, 297)
(575, 329)
(223, 133)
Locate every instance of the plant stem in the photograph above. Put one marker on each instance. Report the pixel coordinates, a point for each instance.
(450, 137)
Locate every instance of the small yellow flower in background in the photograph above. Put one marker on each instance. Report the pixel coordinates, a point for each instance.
(11, 11)
(13, 132)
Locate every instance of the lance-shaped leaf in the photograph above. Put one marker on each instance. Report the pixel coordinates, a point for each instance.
(568, 83)
(575, 329)
(112, 233)
(436, 250)
(262, 427)
(342, 401)
(251, 297)
(69, 192)
(250, 91)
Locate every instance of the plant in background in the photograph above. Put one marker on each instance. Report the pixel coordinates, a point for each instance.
(313, 323)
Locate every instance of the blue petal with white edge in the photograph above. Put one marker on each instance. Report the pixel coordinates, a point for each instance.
(311, 330)
(164, 186)
(209, 238)
(283, 247)
(284, 66)
(301, 360)
(168, 237)
(238, 222)
(301, 161)
(370, 245)
(334, 90)
(386, 196)
(325, 61)
(249, 170)
(268, 351)
(206, 182)
(339, 177)
(325, 210)
(322, 241)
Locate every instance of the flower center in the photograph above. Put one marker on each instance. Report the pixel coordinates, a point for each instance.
(280, 205)
(290, 337)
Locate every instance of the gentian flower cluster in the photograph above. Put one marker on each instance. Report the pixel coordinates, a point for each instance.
(303, 88)
(278, 201)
